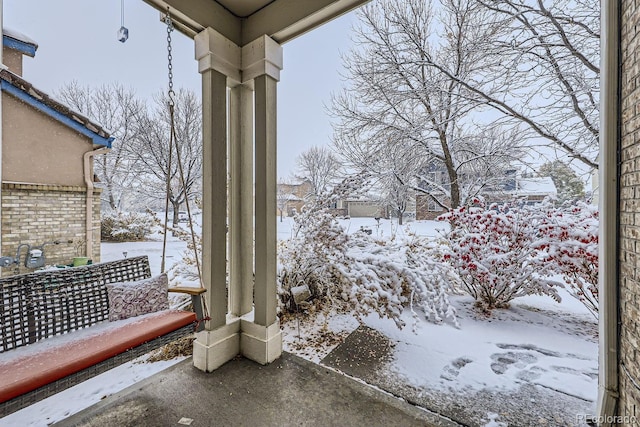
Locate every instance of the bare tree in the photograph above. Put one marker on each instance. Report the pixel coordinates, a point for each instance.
(283, 196)
(320, 168)
(397, 196)
(118, 110)
(153, 155)
(403, 118)
(545, 78)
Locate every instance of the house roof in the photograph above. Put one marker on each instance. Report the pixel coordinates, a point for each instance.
(543, 186)
(26, 92)
(18, 41)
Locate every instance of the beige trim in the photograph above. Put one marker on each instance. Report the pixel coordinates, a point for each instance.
(88, 179)
(608, 206)
(282, 20)
(193, 16)
(214, 51)
(10, 185)
(261, 56)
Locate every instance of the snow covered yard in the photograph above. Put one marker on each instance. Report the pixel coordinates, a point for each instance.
(532, 364)
(535, 363)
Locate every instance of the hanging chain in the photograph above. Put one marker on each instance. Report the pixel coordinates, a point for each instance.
(169, 22)
(173, 142)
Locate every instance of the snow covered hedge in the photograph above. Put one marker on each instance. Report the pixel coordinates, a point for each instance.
(502, 252)
(568, 243)
(360, 274)
(126, 226)
(493, 251)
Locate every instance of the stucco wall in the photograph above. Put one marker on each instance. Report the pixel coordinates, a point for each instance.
(34, 214)
(629, 403)
(39, 149)
(13, 60)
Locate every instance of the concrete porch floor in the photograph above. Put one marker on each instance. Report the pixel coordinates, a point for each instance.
(289, 392)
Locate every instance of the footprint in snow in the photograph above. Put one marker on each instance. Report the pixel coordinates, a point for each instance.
(451, 371)
(503, 361)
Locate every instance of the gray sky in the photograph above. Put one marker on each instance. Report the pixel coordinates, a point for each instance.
(77, 41)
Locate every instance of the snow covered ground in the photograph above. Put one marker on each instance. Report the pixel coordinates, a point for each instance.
(536, 345)
(534, 364)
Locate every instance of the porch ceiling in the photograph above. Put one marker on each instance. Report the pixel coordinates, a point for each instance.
(242, 21)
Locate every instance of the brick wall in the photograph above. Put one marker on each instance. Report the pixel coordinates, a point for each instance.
(34, 214)
(423, 211)
(629, 403)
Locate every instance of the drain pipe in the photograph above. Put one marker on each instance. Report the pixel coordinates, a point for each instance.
(608, 205)
(2, 67)
(88, 179)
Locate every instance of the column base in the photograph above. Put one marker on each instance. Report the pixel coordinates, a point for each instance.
(262, 344)
(212, 349)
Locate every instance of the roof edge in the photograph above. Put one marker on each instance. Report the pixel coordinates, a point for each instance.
(76, 122)
(21, 46)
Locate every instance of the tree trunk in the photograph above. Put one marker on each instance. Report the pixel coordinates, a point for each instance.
(400, 215)
(112, 201)
(176, 212)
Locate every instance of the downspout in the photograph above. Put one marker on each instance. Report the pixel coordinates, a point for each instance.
(88, 179)
(608, 281)
(2, 67)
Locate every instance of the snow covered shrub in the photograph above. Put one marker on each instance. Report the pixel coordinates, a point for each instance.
(317, 245)
(384, 276)
(360, 274)
(126, 226)
(494, 253)
(568, 243)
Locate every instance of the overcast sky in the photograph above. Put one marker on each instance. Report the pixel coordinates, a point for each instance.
(77, 41)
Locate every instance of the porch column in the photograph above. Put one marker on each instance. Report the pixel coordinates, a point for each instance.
(241, 201)
(218, 61)
(261, 338)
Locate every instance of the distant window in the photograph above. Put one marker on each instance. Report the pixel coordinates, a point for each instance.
(433, 206)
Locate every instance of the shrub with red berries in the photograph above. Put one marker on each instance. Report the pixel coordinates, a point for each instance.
(493, 251)
(568, 246)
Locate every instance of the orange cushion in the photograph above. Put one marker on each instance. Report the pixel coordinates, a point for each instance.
(27, 368)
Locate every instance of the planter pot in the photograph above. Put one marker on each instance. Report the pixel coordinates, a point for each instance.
(81, 260)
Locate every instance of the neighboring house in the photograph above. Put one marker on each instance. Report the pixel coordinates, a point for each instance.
(48, 191)
(291, 197)
(427, 208)
(533, 189)
(363, 208)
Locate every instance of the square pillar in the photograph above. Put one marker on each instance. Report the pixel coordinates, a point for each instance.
(217, 60)
(261, 338)
(266, 208)
(214, 202)
(241, 201)
(243, 312)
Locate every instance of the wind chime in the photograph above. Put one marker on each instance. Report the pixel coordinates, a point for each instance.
(123, 32)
